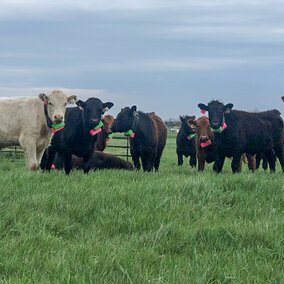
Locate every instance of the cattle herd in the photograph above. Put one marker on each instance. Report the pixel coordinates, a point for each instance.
(53, 136)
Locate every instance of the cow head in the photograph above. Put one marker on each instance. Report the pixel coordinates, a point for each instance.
(203, 129)
(124, 119)
(56, 103)
(92, 111)
(188, 124)
(216, 112)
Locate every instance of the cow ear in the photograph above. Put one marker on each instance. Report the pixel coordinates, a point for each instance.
(72, 99)
(133, 108)
(107, 106)
(181, 118)
(43, 97)
(227, 108)
(80, 104)
(203, 107)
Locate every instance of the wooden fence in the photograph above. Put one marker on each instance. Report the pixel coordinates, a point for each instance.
(118, 150)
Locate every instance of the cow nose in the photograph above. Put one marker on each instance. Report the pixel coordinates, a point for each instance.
(203, 138)
(58, 117)
(215, 125)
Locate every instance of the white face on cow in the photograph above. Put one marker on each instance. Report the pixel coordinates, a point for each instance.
(56, 102)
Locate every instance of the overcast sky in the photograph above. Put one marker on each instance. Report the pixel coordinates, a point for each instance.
(163, 56)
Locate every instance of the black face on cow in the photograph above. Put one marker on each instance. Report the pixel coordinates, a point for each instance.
(92, 110)
(216, 112)
(124, 119)
(188, 124)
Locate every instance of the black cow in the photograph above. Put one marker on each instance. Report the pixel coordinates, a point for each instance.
(82, 124)
(148, 135)
(186, 141)
(238, 132)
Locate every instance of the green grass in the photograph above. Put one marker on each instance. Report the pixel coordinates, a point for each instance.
(175, 226)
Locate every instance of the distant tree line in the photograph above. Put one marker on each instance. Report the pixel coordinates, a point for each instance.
(173, 122)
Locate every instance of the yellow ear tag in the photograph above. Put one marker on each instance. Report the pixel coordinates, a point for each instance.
(81, 108)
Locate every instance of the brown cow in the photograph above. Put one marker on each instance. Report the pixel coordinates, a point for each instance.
(205, 149)
(103, 161)
(205, 146)
(100, 161)
(105, 134)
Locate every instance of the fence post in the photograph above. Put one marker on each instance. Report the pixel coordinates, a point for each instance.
(127, 149)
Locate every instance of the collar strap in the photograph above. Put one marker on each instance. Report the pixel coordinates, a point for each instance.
(220, 129)
(57, 127)
(190, 136)
(130, 133)
(134, 125)
(53, 127)
(206, 143)
(109, 136)
(97, 129)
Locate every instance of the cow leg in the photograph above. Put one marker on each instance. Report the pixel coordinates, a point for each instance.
(147, 162)
(180, 160)
(201, 163)
(251, 162)
(219, 162)
(264, 164)
(192, 161)
(269, 155)
(136, 161)
(50, 154)
(67, 162)
(279, 152)
(43, 161)
(39, 155)
(240, 165)
(236, 162)
(258, 160)
(29, 148)
(157, 160)
(89, 161)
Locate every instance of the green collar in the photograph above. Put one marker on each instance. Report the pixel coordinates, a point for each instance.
(96, 129)
(190, 136)
(130, 133)
(220, 129)
(57, 127)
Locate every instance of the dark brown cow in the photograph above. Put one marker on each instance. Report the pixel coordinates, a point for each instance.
(240, 132)
(206, 148)
(103, 161)
(106, 133)
(100, 161)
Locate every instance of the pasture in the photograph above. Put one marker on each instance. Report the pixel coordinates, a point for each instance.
(175, 226)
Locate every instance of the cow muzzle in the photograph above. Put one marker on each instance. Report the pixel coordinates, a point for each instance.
(203, 138)
(58, 118)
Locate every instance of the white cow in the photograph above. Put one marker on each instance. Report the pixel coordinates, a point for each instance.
(26, 122)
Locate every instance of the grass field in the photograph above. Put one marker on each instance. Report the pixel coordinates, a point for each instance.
(175, 226)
